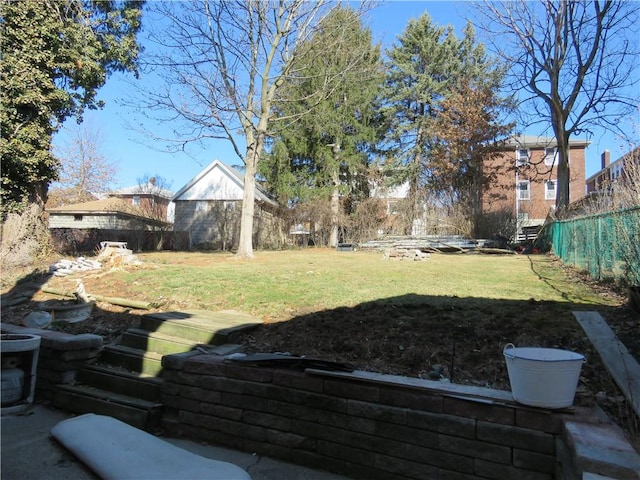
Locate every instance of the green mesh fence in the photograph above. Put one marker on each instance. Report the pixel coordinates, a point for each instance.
(605, 245)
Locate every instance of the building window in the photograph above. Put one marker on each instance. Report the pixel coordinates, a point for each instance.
(77, 218)
(550, 156)
(522, 157)
(135, 200)
(550, 187)
(524, 190)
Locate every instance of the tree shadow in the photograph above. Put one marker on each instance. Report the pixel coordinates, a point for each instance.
(421, 335)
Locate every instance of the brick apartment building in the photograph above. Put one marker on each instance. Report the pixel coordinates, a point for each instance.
(612, 173)
(523, 183)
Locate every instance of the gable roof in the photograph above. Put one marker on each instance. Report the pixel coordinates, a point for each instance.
(201, 186)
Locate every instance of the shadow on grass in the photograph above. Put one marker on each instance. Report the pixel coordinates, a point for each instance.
(413, 335)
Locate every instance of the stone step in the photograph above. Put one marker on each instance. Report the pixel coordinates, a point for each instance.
(132, 359)
(156, 342)
(214, 328)
(85, 399)
(118, 380)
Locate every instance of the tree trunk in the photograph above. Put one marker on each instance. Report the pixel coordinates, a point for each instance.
(564, 173)
(335, 196)
(335, 212)
(245, 244)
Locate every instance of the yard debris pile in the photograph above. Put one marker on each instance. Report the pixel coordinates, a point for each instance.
(113, 254)
(64, 267)
(117, 254)
(427, 243)
(416, 255)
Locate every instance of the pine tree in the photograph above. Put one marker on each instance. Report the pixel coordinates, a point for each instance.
(445, 113)
(322, 143)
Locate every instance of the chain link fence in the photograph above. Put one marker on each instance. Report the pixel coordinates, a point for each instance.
(606, 245)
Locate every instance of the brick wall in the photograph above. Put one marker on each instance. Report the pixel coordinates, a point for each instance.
(361, 424)
(60, 356)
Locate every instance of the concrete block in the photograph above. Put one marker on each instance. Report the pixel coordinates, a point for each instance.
(537, 419)
(177, 360)
(245, 402)
(403, 433)
(221, 384)
(354, 390)
(479, 409)
(517, 437)
(298, 380)
(357, 424)
(602, 449)
(267, 420)
(321, 402)
(440, 459)
(377, 412)
(343, 452)
(415, 400)
(320, 432)
(221, 411)
(293, 411)
(291, 440)
(441, 423)
(534, 461)
(477, 449)
(405, 468)
(498, 471)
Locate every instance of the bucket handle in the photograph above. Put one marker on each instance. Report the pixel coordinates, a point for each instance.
(508, 346)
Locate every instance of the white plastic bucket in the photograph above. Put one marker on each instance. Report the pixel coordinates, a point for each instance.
(543, 377)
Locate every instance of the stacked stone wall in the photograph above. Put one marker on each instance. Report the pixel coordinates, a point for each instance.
(360, 424)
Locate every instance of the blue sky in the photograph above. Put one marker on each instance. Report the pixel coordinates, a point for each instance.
(135, 159)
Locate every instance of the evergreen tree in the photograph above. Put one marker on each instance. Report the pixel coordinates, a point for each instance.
(430, 71)
(55, 57)
(322, 144)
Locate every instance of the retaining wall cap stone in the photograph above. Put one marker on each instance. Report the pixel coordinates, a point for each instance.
(57, 340)
(602, 449)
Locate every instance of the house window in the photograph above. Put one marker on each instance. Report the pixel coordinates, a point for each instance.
(550, 187)
(522, 157)
(135, 200)
(77, 218)
(524, 190)
(550, 156)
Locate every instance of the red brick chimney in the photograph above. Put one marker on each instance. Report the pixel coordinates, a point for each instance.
(606, 159)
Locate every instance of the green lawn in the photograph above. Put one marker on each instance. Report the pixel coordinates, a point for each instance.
(277, 285)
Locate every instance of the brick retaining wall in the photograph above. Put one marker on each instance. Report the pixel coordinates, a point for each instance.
(360, 424)
(60, 357)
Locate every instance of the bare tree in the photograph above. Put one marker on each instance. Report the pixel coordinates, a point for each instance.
(577, 61)
(85, 171)
(220, 65)
(154, 196)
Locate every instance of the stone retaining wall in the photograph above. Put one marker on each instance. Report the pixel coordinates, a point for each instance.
(60, 357)
(361, 424)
